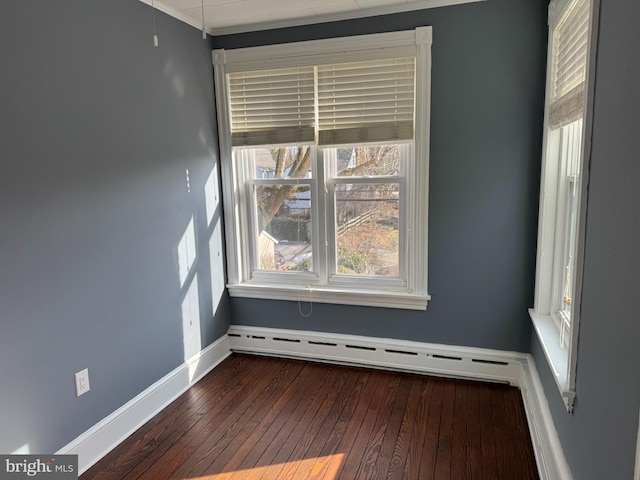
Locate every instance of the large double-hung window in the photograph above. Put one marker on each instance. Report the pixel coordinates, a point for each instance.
(563, 188)
(324, 147)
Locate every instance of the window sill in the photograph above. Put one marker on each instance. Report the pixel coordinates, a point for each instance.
(326, 294)
(557, 357)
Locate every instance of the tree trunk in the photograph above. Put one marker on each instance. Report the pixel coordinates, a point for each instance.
(270, 205)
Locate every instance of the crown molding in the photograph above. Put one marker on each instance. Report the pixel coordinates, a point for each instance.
(296, 22)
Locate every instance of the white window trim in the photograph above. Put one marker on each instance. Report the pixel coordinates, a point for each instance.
(563, 361)
(360, 47)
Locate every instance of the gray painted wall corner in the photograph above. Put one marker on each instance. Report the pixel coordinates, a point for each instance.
(109, 245)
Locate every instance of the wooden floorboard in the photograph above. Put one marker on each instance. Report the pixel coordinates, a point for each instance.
(261, 418)
(392, 430)
(445, 437)
(432, 432)
(487, 434)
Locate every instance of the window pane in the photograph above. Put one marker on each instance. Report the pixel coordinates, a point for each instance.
(284, 226)
(571, 156)
(373, 160)
(367, 220)
(282, 162)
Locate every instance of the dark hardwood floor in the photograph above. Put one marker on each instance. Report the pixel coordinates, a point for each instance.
(267, 418)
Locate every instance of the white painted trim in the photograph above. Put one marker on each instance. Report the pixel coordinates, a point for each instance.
(293, 22)
(517, 369)
(383, 353)
(105, 435)
(329, 294)
(177, 14)
(419, 191)
(324, 51)
(339, 16)
(584, 188)
(231, 207)
(556, 356)
(552, 464)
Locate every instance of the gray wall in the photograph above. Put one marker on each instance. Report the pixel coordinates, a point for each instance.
(599, 439)
(97, 130)
(486, 125)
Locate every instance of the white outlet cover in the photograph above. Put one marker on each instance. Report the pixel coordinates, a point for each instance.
(82, 382)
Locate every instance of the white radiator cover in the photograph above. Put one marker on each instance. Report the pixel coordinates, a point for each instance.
(388, 354)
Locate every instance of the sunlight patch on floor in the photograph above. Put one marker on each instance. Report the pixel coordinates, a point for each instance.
(305, 468)
(23, 450)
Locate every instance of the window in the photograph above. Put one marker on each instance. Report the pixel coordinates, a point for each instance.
(561, 225)
(324, 148)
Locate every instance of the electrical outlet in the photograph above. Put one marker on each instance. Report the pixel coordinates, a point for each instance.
(82, 382)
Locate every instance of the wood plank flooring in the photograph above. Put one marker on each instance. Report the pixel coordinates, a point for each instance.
(267, 418)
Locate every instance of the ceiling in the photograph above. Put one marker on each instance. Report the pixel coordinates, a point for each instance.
(223, 17)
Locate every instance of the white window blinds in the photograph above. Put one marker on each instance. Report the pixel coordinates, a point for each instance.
(569, 62)
(366, 101)
(271, 107)
(341, 103)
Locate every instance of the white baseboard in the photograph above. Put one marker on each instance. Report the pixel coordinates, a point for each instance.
(100, 439)
(544, 436)
(517, 369)
(384, 353)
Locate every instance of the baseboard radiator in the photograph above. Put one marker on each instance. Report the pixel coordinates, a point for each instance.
(388, 354)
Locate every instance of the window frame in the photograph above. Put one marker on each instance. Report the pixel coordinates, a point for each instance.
(554, 226)
(242, 282)
(331, 182)
(247, 182)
